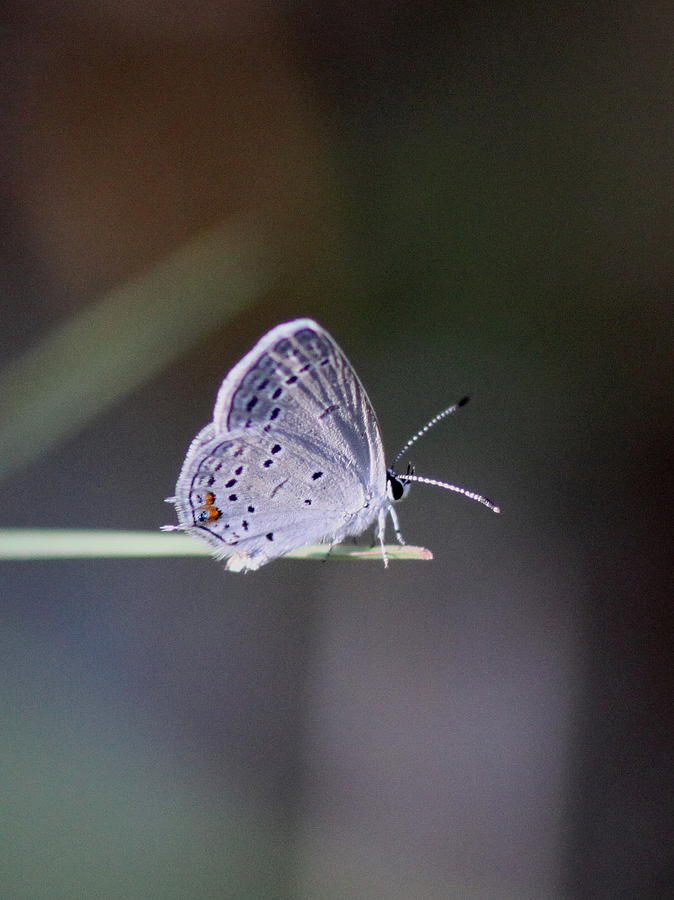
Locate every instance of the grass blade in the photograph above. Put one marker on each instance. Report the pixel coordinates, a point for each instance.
(72, 543)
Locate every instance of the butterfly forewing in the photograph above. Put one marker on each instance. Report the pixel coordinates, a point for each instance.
(297, 384)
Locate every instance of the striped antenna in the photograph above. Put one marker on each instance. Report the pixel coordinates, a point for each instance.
(441, 415)
(485, 501)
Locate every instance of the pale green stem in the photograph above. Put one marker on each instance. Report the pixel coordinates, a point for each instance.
(45, 543)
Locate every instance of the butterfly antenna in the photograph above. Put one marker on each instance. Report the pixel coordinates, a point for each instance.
(485, 501)
(422, 431)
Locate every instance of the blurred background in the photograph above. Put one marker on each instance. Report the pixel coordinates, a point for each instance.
(473, 199)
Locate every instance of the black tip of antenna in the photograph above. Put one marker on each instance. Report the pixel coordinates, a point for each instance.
(463, 401)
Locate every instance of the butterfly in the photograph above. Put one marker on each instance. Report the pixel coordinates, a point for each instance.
(293, 455)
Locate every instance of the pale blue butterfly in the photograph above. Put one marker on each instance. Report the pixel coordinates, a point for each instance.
(293, 456)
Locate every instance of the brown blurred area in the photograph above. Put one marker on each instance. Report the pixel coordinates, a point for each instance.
(134, 127)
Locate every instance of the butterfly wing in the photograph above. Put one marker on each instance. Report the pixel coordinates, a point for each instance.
(296, 383)
(293, 456)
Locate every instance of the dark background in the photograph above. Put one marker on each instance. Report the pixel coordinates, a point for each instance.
(472, 200)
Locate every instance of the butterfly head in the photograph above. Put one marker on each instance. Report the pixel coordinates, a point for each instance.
(397, 486)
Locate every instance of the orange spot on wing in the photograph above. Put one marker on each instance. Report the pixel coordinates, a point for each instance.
(209, 505)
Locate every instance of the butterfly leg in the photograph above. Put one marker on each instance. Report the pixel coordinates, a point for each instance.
(381, 528)
(328, 552)
(396, 526)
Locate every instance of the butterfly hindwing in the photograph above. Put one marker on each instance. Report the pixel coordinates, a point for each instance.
(254, 500)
